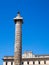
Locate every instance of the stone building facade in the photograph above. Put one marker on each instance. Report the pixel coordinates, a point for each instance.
(28, 58)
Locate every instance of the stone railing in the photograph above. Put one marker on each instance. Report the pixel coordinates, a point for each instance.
(8, 57)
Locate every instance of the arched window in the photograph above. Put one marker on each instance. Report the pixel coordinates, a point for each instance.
(11, 63)
(33, 62)
(39, 62)
(22, 63)
(6, 63)
(44, 61)
(28, 63)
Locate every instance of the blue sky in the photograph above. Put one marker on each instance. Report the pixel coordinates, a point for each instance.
(35, 29)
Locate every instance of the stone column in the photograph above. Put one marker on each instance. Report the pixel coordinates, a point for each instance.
(18, 40)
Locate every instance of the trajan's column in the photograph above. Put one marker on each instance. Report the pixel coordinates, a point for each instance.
(18, 40)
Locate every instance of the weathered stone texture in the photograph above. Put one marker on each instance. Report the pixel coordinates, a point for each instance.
(18, 41)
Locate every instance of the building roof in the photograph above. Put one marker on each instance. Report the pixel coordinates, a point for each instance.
(28, 56)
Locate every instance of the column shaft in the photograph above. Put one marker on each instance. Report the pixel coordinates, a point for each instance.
(18, 43)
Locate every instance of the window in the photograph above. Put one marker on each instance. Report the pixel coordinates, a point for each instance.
(22, 63)
(33, 62)
(6, 63)
(28, 63)
(39, 62)
(44, 62)
(11, 63)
